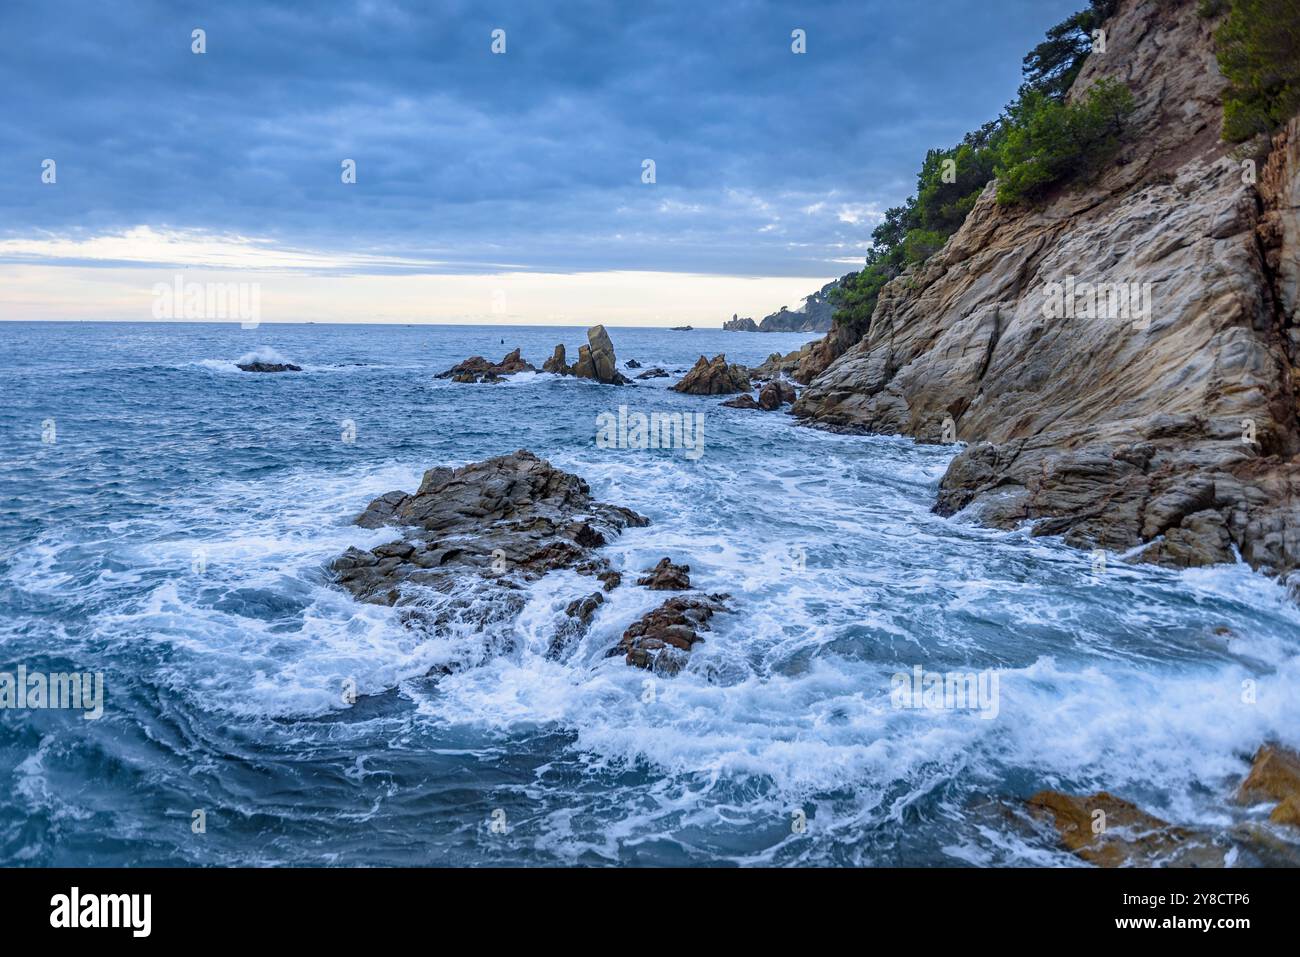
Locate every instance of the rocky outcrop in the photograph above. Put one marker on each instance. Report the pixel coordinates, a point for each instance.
(1168, 420)
(478, 369)
(260, 366)
(660, 640)
(596, 360)
(771, 397)
(500, 521)
(1274, 777)
(667, 577)
(655, 373)
(1110, 832)
(714, 377)
(775, 394)
(738, 324)
(556, 363)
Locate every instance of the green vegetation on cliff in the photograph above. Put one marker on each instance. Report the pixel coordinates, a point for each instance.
(1038, 143)
(1258, 49)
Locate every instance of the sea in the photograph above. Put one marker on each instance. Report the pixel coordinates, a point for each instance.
(167, 523)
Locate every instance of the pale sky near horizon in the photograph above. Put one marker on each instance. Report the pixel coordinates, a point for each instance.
(490, 187)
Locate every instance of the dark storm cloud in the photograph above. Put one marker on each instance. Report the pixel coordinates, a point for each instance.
(767, 162)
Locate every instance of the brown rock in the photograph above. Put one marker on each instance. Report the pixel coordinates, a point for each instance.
(776, 393)
(667, 577)
(596, 360)
(660, 638)
(1130, 838)
(1274, 776)
(714, 377)
(478, 369)
(556, 363)
(743, 401)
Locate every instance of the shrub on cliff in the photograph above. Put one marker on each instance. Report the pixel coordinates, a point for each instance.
(1047, 151)
(1258, 49)
(1049, 142)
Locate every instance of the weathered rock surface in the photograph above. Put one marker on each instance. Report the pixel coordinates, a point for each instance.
(504, 520)
(478, 369)
(714, 377)
(660, 640)
(260, 366)
(556, 363)
(775, 394)
(1130, 837)
(738, 324)
(1274, 776)
(744, 401)
(1179, 429)
(596, 360)
(666, 576)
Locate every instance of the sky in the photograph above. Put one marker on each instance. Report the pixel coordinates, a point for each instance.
(502, 187)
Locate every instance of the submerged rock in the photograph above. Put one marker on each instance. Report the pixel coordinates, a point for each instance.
(667, 577)
(478, 369)
(260, 366)
(714, 377)
(660, 639)
(655, 373)
(1110, 832)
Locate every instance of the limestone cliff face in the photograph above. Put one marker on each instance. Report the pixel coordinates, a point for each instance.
(1174, 429)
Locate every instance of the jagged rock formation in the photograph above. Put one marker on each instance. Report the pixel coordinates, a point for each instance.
(1176, 428)
(667, 576)
(557, 363)
(513, 517)
(596, 360)
(478, 369)
(714, 377)
(657, 641)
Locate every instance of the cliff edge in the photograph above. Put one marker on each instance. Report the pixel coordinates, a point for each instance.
(1120, 361)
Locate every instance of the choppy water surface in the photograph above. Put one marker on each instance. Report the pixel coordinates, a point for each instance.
(176, 534)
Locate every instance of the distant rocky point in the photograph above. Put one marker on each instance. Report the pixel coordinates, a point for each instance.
(815, 315)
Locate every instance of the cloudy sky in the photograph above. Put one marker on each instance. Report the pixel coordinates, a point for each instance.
(502, 187)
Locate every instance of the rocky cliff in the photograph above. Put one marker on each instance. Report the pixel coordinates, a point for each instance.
(1120, 361)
